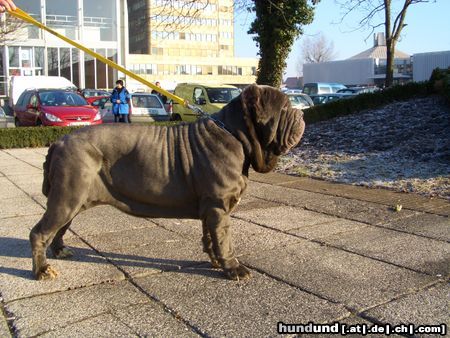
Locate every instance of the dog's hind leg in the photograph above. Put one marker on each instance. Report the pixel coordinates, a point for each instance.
(41, 236)
(208, 246)
(59, 250)
(217, 221)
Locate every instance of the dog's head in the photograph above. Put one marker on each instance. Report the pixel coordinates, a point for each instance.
(274, 127)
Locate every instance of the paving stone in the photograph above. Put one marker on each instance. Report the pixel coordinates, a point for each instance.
(284, 217)
(150, 320)
(428, 256)
(25, 154)
(86, 267)
(145, 251)
(106, 326)
(247, 237)
(4, 329)
(339, 276)
(30, 184)
(425, 307)
(104, 219)
(16, 168)
(221, 307)
(318, 231)
(429, 225)
(360, 211)
(58, 310)
(9, 190)
(187, 228)
(19, 206)
(251, 203)
(381, 196)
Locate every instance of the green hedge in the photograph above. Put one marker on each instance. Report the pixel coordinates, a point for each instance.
(31, 137)
(440, 82)
(24, 137)
(361, 102)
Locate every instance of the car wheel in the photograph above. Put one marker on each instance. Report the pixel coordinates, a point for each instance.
(39, 123)
(17, 122)
(175, 117)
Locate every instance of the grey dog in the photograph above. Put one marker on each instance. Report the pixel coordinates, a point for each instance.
(197, 170)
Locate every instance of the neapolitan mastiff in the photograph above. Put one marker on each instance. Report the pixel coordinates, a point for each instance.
(197, 170)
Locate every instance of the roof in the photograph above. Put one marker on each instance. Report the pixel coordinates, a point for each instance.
(379, 52)
(293, 82)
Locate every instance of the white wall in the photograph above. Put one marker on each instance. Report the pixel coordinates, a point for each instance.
(348, 72)
(424, 63)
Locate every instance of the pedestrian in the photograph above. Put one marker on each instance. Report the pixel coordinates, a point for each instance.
(120, 99)
(7, 5)
(161, 96)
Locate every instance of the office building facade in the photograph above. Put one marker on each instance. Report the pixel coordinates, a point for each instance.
(100, 25)
(186, 41)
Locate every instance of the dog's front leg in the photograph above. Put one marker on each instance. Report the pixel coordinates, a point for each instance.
(217, 222)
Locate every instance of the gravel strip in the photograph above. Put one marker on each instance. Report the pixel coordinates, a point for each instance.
(404, 146)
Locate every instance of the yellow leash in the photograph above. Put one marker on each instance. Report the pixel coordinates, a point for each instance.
(24, 16)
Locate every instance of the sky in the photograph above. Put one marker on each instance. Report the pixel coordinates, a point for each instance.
(427, 30)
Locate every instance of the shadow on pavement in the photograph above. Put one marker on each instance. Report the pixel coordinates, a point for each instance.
(20, 248)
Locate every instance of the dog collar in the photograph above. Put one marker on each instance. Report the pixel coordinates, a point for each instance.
(221, 125)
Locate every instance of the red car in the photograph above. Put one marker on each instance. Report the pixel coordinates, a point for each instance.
(54, 107)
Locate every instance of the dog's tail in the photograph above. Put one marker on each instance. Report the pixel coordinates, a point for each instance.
(48, 159)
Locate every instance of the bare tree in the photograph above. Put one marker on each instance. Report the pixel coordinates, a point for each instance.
(393, 22)
(11, 29)
(317, 49)
(172, 15)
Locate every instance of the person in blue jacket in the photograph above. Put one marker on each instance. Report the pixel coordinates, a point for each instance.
(120, 98)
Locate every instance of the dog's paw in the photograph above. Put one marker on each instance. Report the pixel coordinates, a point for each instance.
(215, 263)
(63, 253)
(238, 273)
(47, 273)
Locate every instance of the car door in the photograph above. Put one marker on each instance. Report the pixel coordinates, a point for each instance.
(31, 110)
(20, 108)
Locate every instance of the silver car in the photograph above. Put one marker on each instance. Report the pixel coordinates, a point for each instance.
(144, 107)
(300, 101)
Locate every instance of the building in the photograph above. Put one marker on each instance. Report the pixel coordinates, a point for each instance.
(424, 63)
(293, 82)
(365, 68)
(194, 45)
(100, 25)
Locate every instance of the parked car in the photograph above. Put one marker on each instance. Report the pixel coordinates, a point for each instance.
(291, 91)
(300, 101)
(6, 121)
(314, 88)
(19, 84)
(325, 98)
(87, 93)
(357, 90)
(54, 107)
(143, 107)
(210, 98)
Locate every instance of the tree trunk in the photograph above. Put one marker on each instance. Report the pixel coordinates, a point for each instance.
(272, 63)
(390, 53)
(274, 45)
(277, 25)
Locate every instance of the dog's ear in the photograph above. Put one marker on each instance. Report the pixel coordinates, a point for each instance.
(271, 123)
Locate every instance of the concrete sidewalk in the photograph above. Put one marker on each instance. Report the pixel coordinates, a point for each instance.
(319, 252)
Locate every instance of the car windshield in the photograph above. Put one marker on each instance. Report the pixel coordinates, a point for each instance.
(298, 100)
(61, 98)
(222, 95)
(146, 101)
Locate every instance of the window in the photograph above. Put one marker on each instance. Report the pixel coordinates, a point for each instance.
(53, 61)
(13, 56)
(34, 101)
